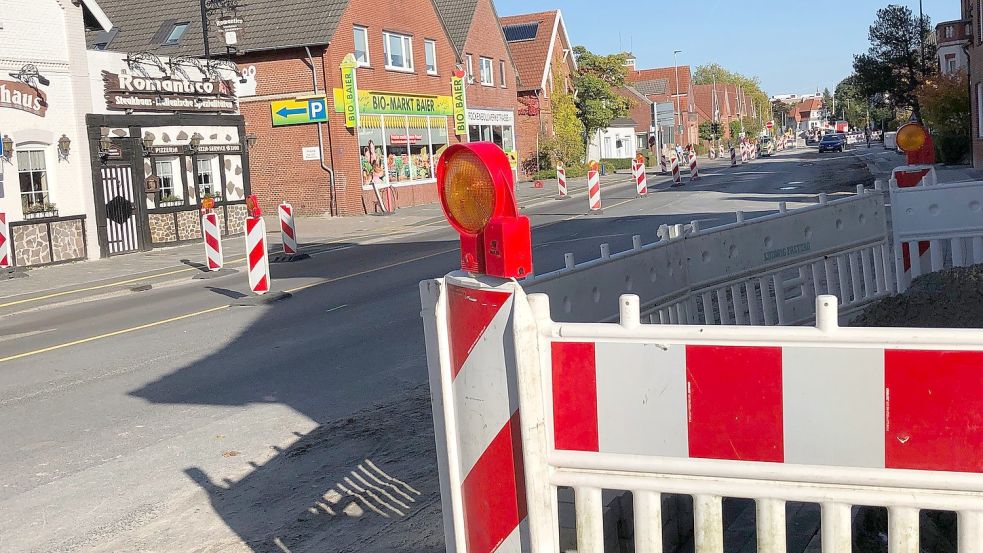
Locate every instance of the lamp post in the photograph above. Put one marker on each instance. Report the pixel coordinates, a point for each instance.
(679, 113)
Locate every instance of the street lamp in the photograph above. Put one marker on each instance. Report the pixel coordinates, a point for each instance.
(679, 112)
(8, 147)
(195, 141)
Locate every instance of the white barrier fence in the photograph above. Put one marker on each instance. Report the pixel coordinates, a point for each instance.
(767, 270)
(841, 417)
(936, 227)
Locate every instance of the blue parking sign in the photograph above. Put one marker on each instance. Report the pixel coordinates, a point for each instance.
(317, 109)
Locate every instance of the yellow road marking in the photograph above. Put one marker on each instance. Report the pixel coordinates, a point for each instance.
(111, 334)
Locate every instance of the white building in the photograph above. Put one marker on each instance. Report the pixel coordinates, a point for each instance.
(952, 38)
(617, 141)
(45, 175)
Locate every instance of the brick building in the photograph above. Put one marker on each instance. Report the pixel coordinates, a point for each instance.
(723, 103)
(544, 65)
(660, 85)
(309, 150)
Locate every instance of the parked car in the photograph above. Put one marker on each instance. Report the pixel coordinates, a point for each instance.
(831, 143)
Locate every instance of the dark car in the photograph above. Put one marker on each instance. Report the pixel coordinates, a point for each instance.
(831, 143)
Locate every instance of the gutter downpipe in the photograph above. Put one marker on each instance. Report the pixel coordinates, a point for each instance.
(333, 206)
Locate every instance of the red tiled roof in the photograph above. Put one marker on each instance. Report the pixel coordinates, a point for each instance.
(531, 56)
(667, 73)
(703, 99)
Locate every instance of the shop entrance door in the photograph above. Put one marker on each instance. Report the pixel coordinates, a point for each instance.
(123, 228)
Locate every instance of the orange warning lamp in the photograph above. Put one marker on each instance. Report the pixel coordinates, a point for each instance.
(477, 194)
(916, 142)
(252, 206)
(593, 165)
(208, 202)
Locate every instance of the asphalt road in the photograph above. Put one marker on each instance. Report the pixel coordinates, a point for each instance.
(120, 414)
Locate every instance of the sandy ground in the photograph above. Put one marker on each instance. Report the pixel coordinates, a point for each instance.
(952, 298)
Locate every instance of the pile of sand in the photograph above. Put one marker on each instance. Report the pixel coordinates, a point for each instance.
(952, 298)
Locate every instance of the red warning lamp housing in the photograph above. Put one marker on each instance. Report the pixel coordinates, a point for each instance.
(252, 206)
(477, 194)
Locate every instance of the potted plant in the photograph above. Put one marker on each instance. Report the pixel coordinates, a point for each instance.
(169, 200)
(40, 210)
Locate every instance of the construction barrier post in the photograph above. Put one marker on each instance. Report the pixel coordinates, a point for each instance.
(4, 239)
(288, 230)
(561, 182)
(663, 165)
(677, 179)
(641, 184)
(214, 259)
(694, 172)
(257, 257)
(733, 157)
(594, 191)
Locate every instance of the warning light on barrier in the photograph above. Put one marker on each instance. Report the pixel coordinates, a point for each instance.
(916, 142)
(252, 206)
(208, 202)
(477, 194)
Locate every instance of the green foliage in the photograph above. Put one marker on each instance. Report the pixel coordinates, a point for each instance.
(735, 129)
(573, 171)
(708, 74)
(946, 111)
(567, 144)
(752, 127)
(596, 80)
(893, 67)
(706, 130)
(612, 164)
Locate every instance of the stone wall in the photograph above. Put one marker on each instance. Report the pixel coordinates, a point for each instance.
(237, 218)
(188, 225)
(44, 242)
(162, 228)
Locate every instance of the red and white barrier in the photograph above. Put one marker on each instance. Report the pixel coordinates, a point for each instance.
(288, 230)
(4, 241)
(257, 257)
(594, 190)
(733, 157)
(677, 179)
(663, 164)
(214, 259)
(641, 184)
(694, 172)
(745, 151)
(561, 181)
(720, 151)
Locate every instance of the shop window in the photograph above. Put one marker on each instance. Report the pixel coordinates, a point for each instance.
(399, 51)
(487, 75)
(501, 72)
(164, 169)
(205, 176)
(361, 46)
(33, 174)
(430, 49)
(177, 31)
(398, 150)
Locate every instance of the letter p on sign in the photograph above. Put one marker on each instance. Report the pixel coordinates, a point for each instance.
(317, 109)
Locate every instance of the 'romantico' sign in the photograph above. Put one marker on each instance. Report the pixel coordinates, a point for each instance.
(132, 92)
(16, 95)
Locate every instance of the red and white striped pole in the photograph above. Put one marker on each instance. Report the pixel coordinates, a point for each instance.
(214, 258)
(677, 179)
(257, 258)
(561, 181)
(594, 190)
(733, 157)
(288, 230)
(662, 164)
(641, 185)
(4, 239)
(694, 172)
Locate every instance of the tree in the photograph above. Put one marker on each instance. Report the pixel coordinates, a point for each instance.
(780, 112)
(566, 146)
(735, 129)
(946, 111)
(894, 63)
(706, 131)
(708, 74)
(596, 80)
(859, 110)
(828, 106)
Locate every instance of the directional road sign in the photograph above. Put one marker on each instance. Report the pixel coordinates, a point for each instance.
(299, 111)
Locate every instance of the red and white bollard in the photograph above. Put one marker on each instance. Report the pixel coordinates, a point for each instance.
(288, 230)
(641, 185)
(214, 259)
(561, 182)
(4, 239)
(257, 257)
(594, 190)
(744, 152)
(733, 157)
(694, 173)
(677, 179)
(663, 165)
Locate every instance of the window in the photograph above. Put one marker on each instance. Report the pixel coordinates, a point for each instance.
(470, 69)
(33, 178)
(362, 46)
(164, 169)
(949, 31)
(430, 50)
(399, 51)
(399, 150)
(501, 72)
(206, 178)
(487, 75)
(177, 31)
(950, 64)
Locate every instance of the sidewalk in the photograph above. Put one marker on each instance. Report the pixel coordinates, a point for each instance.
(881, 163)
(116, 274)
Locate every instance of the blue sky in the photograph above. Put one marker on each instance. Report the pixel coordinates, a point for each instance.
(793, 46)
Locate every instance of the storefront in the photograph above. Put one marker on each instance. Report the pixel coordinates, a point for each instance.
(496, 126)
(164, 136)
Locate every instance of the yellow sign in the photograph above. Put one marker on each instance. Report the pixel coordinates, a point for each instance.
(349, 91)
(513, 158)
(392, 103)
(299, 111)
(460, 103)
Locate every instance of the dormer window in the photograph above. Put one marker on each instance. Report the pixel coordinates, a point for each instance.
(177, 31)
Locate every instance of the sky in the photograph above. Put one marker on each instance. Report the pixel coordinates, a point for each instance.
(792, 46)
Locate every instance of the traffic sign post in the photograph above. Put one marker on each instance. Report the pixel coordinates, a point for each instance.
(299, 111)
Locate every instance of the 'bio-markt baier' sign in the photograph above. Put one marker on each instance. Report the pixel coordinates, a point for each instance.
(392, 103)
(460, 103)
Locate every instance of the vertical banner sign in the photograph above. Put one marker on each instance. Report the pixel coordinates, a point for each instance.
(460, 103)
(350, 88)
